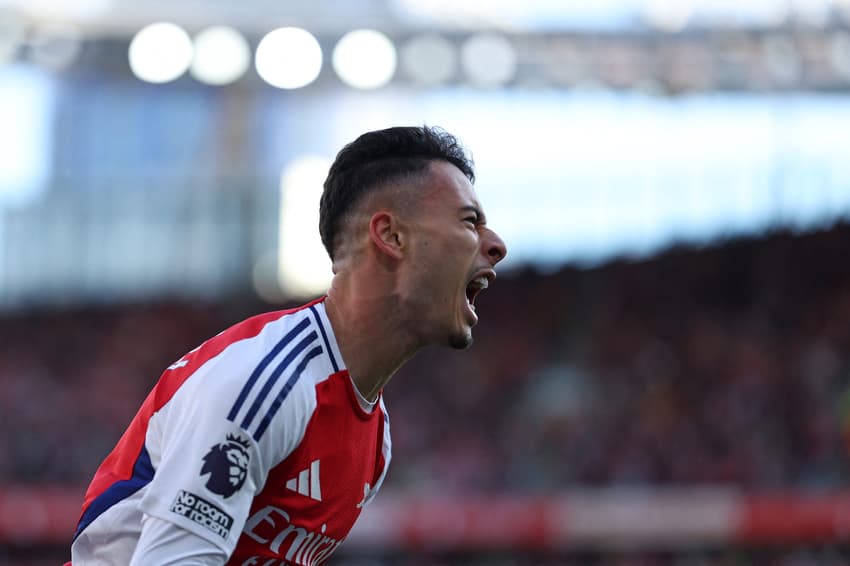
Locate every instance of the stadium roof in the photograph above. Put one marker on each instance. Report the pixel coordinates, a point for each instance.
(124, 17)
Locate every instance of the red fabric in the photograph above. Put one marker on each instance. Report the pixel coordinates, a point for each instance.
(296, 527)
(119, 464)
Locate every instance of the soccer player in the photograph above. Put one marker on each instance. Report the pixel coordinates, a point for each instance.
(263, 445)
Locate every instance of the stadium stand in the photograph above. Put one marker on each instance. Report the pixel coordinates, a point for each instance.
(688, 409)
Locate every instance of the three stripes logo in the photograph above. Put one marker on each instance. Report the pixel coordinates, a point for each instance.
(307, 482)
(274, 377)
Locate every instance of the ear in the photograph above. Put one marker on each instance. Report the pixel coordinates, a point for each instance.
(385, 233)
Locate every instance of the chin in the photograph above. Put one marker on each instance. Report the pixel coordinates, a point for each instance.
(460, 341)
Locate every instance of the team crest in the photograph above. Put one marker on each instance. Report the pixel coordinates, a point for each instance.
(227, 465)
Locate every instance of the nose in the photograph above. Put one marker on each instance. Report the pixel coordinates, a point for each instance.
(494, 247)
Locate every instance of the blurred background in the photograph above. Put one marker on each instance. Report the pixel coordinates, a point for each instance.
(660, 377)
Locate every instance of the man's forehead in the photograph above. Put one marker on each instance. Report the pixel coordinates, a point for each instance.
(449, 185)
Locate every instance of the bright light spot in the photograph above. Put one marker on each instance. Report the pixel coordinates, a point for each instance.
(429, 59)
(289, 58)
(160, 53)
(26, 112)
(304, 268)
(221, 56)
(489, 60)
(365, 59)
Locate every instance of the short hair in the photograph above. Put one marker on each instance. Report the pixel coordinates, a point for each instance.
(377, 158)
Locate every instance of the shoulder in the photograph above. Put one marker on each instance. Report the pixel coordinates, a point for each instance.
(256, 381)
(254, 337)
(255, 371)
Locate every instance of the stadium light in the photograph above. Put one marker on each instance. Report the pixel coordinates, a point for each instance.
(365, 59)
(222, 55)
(429, 59)
(160, 52)
(304, 268)
(27, 105)
(488, 60)
(289, 58)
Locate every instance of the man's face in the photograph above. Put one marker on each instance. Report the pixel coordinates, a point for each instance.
(453, 256)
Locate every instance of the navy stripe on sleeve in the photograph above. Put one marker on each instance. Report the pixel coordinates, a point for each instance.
(142, 475)
(290, 336)
(285, 391)
(264, 392)
(324, 337)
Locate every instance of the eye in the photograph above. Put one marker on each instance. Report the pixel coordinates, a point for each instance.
(471, 219)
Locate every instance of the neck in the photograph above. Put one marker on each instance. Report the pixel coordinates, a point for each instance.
(368, 323)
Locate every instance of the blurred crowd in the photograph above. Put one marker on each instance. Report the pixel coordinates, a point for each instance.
(801, 556)
(728, 365)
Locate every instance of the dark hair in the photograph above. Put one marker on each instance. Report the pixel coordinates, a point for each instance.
(379, 157)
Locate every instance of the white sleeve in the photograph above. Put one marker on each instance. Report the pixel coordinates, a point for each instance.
(165, 544)
(208, 451)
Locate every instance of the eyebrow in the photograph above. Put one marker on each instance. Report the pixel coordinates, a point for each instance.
(476, 210)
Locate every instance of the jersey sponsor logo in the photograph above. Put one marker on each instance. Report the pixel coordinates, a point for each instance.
(307, 482)
(201, 511)
(227, 465)
(273, 527)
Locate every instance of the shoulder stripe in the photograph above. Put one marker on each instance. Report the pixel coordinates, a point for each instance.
(285, 391)
(118, 491)
(262, 366)
(275, 375)
(321, 326)
(128, 468)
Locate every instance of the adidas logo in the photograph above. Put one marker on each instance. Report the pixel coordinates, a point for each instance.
(307, 482)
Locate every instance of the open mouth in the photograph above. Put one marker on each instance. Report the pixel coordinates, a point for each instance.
(474, 287)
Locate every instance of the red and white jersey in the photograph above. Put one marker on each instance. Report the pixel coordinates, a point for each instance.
(255, 441)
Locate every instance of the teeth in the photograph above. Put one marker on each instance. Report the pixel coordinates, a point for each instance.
(477, 284)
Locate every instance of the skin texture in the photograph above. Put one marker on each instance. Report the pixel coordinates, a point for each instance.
(400, 277)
